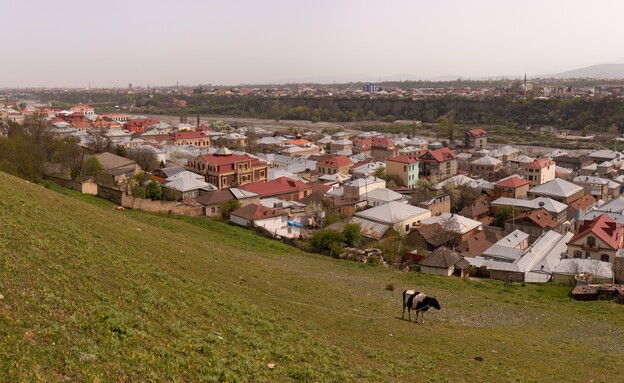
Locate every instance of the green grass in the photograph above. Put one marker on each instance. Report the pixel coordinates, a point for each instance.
(96, 295)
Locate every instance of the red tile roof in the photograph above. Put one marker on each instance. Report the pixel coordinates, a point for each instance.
(476, 132)
(511, 182)
(605, 228)
(383, 142)
(336, 162)
(140, 123)
(439, 155)
(185, 135)
(279, 186)
(541, 217)
(540, 163)
(80, 124)
(81, 107)
(203, 128)
(582, 203)
(56, 119)
(403, 159)
(230, 159)
(298, 142)
(321, 189)
(359, 143)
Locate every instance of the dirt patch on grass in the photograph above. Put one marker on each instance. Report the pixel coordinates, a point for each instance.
(488, 318)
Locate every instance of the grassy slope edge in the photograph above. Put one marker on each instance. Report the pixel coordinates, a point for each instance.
(93, 294)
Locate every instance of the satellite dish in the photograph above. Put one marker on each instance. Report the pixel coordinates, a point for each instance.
(541, 204)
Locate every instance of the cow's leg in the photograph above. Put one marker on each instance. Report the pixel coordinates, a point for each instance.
(409, 314)
(403, 315)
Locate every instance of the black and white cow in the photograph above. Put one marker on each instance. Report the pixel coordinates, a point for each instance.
(415, 300)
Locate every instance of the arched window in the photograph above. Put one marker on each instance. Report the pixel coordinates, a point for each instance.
(604, 257)
(591, 241)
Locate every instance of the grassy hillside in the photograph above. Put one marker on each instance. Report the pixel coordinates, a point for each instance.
(92, 294)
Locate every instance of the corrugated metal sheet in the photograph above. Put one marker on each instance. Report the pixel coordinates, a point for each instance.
(240, 194)
(371, 229)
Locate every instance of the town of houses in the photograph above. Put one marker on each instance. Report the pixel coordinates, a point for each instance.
(531, 220)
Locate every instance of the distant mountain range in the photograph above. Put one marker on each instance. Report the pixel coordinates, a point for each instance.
(600, 71)
(593, 71)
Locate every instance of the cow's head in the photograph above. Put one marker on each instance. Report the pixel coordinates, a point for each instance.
(434, 303)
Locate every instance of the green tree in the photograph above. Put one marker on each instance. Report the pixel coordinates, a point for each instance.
(275, 111)
(447, 127)
(380, 172)
(353, 234)
(467, 196)
(91, 167)
(501, 216)
(154, 190)
(327, 242)
(228, 207)
(454, 194)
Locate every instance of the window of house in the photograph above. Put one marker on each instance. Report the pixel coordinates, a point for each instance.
(214, 209)
(604, 257)
(591, 241)
(406, 227)
(578, 254)
(587, 255)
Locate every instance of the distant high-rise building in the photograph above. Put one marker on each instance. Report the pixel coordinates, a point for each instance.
(370, 88)
(130, 86)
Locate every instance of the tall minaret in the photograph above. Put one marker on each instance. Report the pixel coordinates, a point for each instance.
(525, 86)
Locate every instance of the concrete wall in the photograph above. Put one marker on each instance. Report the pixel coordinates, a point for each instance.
(507, 276)
(158, 206)
(569, 279)
(110, 194)
(87, 187)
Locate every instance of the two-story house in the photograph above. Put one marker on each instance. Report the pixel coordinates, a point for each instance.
(511, 187)
(558, 189)
(437, 165)
(139, 125)
(574, 163)
(485, 167)
(225, 169)
(599, 239)
(405, 168)
(284, 188)
(333, 165)
(534, 223)
(539, 171)
(357, 189)
(600, 188)
(475, 139)
(198, 139)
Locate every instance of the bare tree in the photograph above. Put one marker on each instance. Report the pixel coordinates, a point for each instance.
(99, 140)
(146, 159)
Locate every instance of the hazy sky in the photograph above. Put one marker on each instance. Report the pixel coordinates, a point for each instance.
(112, 43)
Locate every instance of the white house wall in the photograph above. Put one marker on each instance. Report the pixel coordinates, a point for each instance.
(436, 270)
